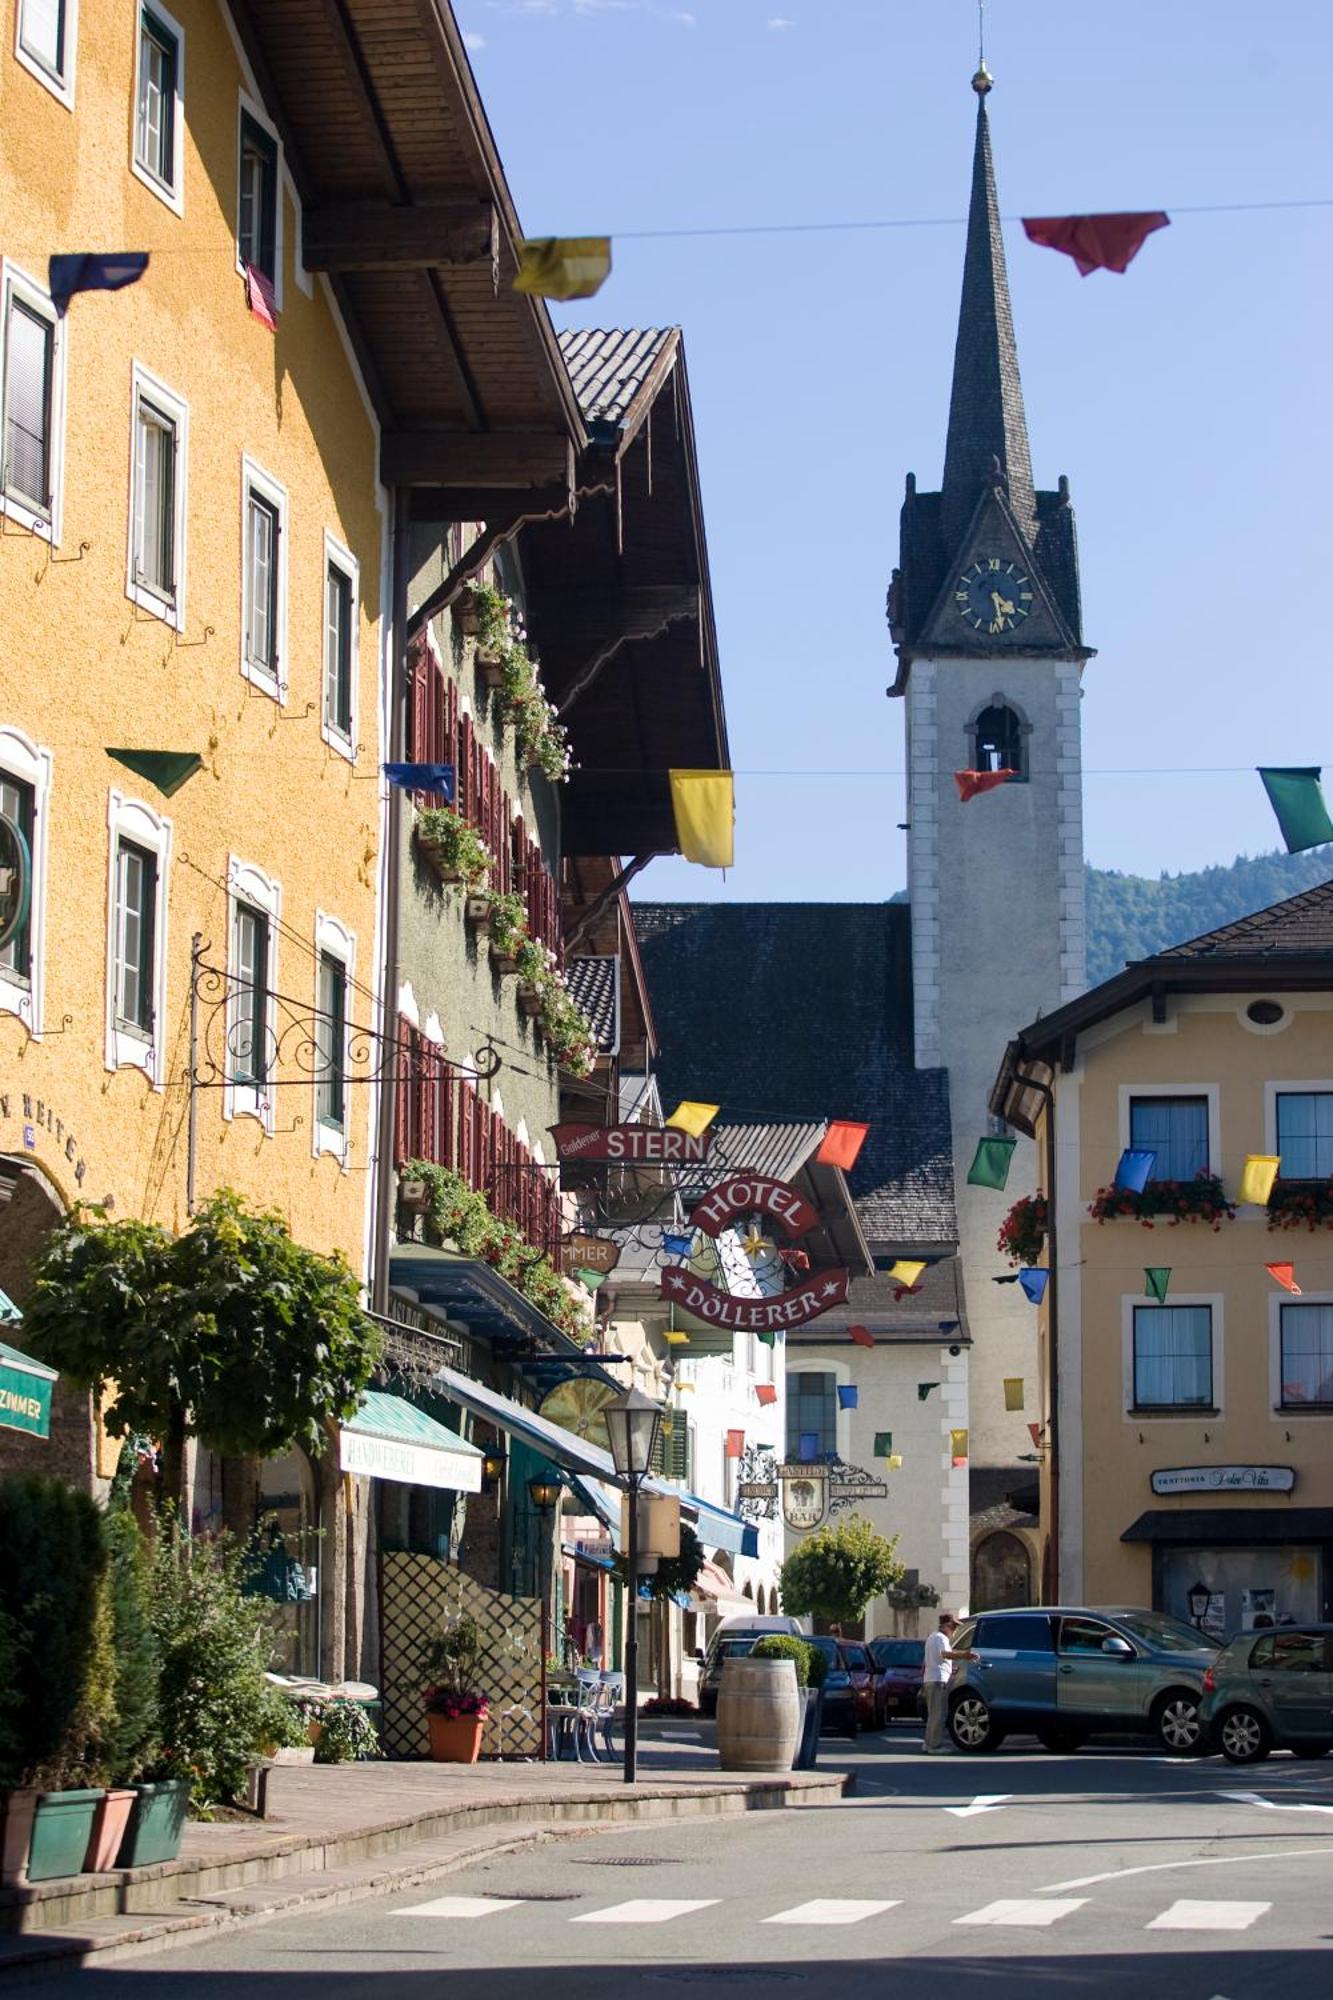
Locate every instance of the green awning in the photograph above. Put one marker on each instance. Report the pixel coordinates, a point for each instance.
(25, 1392)
(389, 1438)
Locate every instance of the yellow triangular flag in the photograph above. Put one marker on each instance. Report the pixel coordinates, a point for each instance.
(895, 1461)
(704, 803)
(1256, 1182)
(563, 267)
(958, 1447)
(674, 1339)
(1013, 1392)
(906, 1271)
(693, 1118)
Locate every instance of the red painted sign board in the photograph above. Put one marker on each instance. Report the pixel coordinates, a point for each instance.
(753, 1194)
(639, 1145)
(803, 1302)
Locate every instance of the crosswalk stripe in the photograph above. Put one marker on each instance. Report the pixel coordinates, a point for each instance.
(1039, 1912)
(645, 1910)
(461, 1906)
(1188, 1916)
(830, 1910)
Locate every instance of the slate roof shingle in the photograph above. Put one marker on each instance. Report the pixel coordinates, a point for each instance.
(609, 367)
(594, 983)
(1302, 926)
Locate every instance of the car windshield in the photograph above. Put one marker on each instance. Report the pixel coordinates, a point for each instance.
(898, 1652)
(1163, 1634)
(736, 1649)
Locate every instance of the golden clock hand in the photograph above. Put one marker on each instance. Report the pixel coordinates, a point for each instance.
(1003, 608)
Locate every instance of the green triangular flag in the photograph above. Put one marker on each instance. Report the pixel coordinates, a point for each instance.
(769, 1339)
(167, 769)
(591, 1279)
(990, 1167)
(883, 1444)
(1156, 1278)
(923, 1389)
(1296, 798)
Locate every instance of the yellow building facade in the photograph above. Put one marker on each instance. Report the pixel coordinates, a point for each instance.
(192, 552)
(1187, 1417)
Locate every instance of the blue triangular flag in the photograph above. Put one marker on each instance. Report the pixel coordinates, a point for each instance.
(422, 778)
(676, 1246)
(84, 273)
(1134, 1171)
(1034, 1285)
(808, 1449)
(848, 1396)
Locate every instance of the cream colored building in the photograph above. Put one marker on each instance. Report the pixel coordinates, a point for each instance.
(1187, 1442)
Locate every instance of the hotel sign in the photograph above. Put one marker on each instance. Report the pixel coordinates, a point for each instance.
(741, 1315)
(754, 1194)
(1224, 1479)
(631, 1145)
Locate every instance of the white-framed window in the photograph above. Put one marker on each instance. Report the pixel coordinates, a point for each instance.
(1301, 1354)
(139, 855)
(32, 446)
(264, 580)
(335, 957)
(255, 902)
(157, 153)
(341, 612)
(258, 197)
(1172, 1356)
(1302, 1125)
(45, 40)
(25, 791)
(159, 457)
(1180, 1122)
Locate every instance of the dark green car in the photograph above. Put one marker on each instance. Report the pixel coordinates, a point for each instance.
(1271, 1691)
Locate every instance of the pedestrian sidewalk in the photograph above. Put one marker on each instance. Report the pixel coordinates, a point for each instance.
(335, 1833)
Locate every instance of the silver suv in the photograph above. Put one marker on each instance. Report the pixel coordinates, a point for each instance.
(1062, 1674)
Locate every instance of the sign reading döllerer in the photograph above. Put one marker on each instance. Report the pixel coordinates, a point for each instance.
(1224, 1479)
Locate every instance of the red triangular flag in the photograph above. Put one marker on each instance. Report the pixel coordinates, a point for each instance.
(1034, 1432)
(861, 1335)
(841, 1144)
(1285, 1275)
(261, 297)
(906, 1291)
(969, 783)
(735, 1444)
(766, 1392)
(1096, 242)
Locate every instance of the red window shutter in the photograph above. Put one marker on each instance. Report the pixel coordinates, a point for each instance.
(448, 1088)
(466, 772)
(428, 1101)
(418, 668)
(402, 1122)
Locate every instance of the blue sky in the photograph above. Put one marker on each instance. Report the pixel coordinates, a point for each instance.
(1189, 401)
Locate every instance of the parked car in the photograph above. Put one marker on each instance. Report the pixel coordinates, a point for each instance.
(899, 1676)
(1061, 1674)
(861, 1669)
(842, 1707)
(1271, 1691)
(733, 1639)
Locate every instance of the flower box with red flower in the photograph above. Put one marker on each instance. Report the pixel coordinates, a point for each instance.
(1203, 1199)
(1301, 1204)
(1023, 1231)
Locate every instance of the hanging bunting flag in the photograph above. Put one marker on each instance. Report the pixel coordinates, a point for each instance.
(848, 1396)
(1013, 1392)
(693, 1118)
(1156, 1278)
(862, 1336)
(923, 1389)
(735, 1444)
(684, 1388)
(674, 1337)
(807, 1448)
(894, 1461)
(1009, 1278)
(109, 273)
(1034, 1285)
(676, 1246)
(1257, 1177)
(907, 1270)
(766, 1393)
(261, 298)
(948, 1325)
(1285, 1275)
(704, 803)
(970, 783)
(991, 1163)
(592, 1280)
(563, 267)
(883, 1443)
(1034, 1432)
(906, 1291)
(1097, 242)
(841, 1145)
(1297, 798)
(167, 769)
(958, 1447)
(794, 1258)
(1134, 1169)
(422, 778)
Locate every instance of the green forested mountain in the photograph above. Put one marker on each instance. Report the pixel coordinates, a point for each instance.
(1131, 917)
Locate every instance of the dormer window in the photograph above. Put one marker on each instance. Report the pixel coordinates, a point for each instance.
(999, 739)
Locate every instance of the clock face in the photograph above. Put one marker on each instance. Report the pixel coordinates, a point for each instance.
(993, 596)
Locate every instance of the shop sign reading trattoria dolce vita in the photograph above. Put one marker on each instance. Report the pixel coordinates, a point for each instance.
(1224, 1479)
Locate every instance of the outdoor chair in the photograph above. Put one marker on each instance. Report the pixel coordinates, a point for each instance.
(612, 1695)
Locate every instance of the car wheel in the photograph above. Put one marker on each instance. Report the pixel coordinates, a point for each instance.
(1060, 1740)
(971, 1724)
(1244, 1737)
(1175, 1722)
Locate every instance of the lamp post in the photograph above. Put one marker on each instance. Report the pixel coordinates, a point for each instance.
(633, 1422)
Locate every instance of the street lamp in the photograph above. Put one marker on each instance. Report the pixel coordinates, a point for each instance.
(1198, 1595)
(633, 1422)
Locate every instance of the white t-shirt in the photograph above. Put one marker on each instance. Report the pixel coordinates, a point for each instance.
(938, 1665)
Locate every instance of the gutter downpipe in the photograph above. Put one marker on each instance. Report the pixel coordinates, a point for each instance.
(1051, 1564)
(388, 1097)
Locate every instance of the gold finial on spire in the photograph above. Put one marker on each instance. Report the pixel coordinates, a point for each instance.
(983, 80)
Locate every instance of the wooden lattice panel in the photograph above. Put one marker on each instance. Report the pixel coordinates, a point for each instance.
(419, 1596)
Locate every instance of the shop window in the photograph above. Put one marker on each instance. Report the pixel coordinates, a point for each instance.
(1173, 1357)
(1176, 1129)
(1305, 1134)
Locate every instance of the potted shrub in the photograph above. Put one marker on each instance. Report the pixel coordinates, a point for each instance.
(482, 612)
(1023, 1232)
(453, 847)
(811, 1666)
(456, 1710)
(132, 1734)
(1204, 1199)
(347, 1733)
(508, 931)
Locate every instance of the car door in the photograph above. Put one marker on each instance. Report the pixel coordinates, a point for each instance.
(1099, 1683)
(1296, 1683)
(1016, 1668)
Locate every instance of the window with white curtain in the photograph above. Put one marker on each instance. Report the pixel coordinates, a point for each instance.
(1176, 1129)
(1173, 1357)
(331, 1039)
(135, 938)
(1305, 1134)
(1307, 1356)
(158, 106)
(47, 32)
(157, 514)
(30, 337)
(264, 580)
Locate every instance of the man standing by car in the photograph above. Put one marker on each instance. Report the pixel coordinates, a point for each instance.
(938, 1665)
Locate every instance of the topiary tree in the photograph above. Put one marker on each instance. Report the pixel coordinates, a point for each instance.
(232, 1331)
(836, 1571)
(132, 1736)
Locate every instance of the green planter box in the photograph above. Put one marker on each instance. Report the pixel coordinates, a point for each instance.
(60, 1833)
(156, 1824)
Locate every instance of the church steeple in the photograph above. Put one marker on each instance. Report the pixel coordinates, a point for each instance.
(987, 427)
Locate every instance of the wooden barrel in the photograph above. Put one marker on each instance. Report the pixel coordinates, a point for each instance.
(758, 1715)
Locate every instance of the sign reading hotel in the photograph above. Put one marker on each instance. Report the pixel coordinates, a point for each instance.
(1224, 1479)
(753, 1194)
(635, 1145)
(803, 1302)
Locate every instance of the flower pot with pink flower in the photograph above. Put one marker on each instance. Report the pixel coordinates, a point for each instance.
(456, 1709)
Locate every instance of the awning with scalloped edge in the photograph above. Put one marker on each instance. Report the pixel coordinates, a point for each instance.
(389, 1438)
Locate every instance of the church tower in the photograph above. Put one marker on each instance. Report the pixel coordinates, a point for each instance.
(984, 615)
